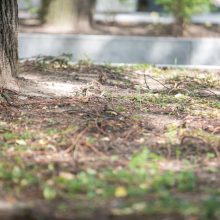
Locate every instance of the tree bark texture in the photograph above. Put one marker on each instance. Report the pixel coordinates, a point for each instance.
(8, 43)
(68, 14)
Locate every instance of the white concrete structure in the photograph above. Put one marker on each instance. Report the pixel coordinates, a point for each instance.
(118, 49)
(116, 6)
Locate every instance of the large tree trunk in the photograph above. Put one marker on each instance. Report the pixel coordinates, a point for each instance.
(85, 14)
(8, 43)
(68, 15)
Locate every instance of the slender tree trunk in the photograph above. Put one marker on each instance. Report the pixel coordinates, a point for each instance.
(68, 15)
(179, 26)
(8, 43)
(43, 12)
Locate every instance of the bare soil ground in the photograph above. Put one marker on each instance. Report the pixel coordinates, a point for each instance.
(102, 142)
(192, 30)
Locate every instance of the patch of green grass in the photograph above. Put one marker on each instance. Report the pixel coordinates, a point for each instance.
(59, 62)
(197, 142)
(26, 135)
(193, 82)
(210, 207)
(116, 69)
(13, 174)
(142, 176)
(158, 98)
(178, 104)
(8, 136)
(143, 67)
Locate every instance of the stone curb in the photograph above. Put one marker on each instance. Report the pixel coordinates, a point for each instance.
(123, 49)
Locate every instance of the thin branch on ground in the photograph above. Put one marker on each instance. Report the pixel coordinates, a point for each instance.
(158, 81)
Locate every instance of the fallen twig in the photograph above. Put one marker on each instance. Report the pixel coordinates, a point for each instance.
(75, 142)
(94, 149)
(156, 81)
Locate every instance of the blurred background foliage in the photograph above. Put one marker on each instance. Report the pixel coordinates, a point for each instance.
(79, 14)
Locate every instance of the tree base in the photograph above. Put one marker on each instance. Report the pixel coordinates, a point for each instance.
(9, 83)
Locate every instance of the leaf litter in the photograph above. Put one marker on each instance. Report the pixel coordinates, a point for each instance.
(122, 141)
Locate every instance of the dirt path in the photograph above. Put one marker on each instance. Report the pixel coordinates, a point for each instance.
(157, 30)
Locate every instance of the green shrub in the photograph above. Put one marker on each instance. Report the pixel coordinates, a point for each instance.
(183, 10)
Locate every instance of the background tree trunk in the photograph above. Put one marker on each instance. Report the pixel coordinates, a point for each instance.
(8, 43)
(85, 14)
(179, 26)
(68, 14)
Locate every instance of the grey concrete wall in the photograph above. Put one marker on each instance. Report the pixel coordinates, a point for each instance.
(118, 49)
